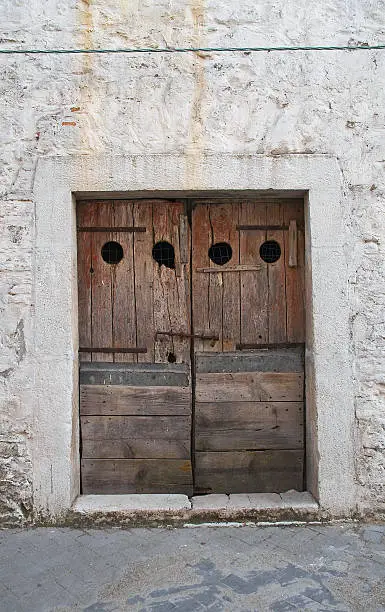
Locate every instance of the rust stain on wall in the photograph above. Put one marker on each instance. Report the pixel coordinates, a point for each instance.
(195, 137)
(85, 32)
(85, 29)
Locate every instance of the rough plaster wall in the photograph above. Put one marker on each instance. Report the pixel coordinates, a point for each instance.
(308, 102)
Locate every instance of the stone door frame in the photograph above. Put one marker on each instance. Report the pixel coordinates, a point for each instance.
(329, 394)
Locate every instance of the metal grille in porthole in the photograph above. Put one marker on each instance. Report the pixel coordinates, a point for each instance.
(112, 252)
(220, 253)
(164, 254)
(270, 251)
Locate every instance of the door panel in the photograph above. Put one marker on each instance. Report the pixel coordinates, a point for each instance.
(136, 340)
(134, 319)
(252, 407)
(127, 304)
(249, 405)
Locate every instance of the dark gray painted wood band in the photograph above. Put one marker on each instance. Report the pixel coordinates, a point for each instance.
(136, 374)
(274, 360)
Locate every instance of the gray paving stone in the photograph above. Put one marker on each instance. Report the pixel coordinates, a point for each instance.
(10, 602)
(46, 597)
(277, 568)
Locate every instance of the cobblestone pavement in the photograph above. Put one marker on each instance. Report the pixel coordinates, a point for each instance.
(313, 567)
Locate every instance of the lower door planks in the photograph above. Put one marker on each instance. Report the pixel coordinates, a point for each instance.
(135, 437)
(120, 476)
(249, 422)
(267, 471)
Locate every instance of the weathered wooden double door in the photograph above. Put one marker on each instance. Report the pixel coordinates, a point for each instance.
(191, 331)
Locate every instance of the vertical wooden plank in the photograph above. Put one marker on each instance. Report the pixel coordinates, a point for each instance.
(164, 344)
(232, 288)
(295, 277)
(143, 280)
(179, 297)
(217, 221)
(201, 240)
(171, 289)
(85, 218)
(293, 243)
(182, 313)
(184, 239)
(101, 284)
(276, 278)
(226, 293)
(163, 276)
(254, 285)
(123, 290)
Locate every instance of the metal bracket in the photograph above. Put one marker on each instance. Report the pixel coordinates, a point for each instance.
(240, 268)
(183, 335)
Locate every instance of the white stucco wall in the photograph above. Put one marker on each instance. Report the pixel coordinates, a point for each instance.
(314, 102)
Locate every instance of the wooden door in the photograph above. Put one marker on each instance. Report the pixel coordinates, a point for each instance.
(248, 293)
(134, 336)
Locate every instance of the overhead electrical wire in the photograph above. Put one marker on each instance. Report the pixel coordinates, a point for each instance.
(359, 47)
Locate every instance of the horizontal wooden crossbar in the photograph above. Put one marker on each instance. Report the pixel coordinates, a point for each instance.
(277, 345)
(240, 268)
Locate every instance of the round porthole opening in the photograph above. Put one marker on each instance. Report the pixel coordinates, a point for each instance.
(220, 253)
(164, 254)
(112, 252)
(270, 251)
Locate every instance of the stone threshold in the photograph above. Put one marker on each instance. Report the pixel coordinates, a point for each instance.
(139, 509)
